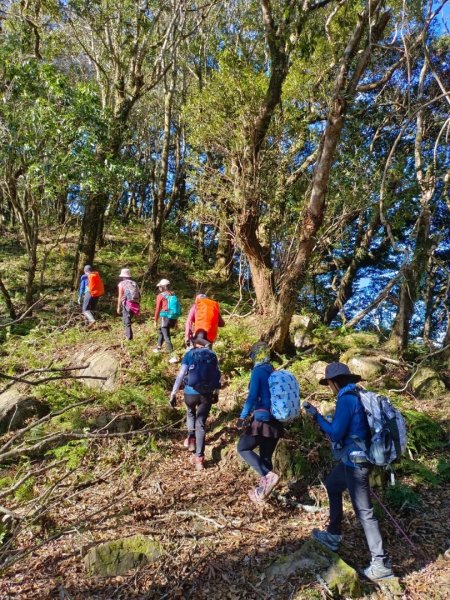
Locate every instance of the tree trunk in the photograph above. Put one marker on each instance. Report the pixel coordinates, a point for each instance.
(361, 251)
(7, 298)
(345, 89)
(223, 266)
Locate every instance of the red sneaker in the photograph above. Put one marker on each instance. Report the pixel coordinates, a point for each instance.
(189, 443)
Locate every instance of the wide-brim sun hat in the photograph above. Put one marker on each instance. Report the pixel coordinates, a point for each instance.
(125, 273)
(335, 369)
(163, 282)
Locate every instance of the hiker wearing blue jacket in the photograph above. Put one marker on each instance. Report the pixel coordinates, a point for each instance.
(349, 422)
(263, 431)
(199, 364)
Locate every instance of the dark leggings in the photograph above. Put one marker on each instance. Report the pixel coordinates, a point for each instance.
(164, 334)
(356, 481)
(262, 462)
(197, 407)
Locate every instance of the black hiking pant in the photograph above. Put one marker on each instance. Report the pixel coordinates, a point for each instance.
(197, 411)
(164, 333)
(262, 462)
(356, 481)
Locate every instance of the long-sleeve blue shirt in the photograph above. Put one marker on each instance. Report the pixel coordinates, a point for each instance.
(349, 421)
(258, 398)
(83, 285)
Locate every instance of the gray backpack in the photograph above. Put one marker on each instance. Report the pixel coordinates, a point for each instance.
(387, 429)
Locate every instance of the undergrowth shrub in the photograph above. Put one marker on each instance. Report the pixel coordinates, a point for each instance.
(402, 497)
(73, 453)
(424, 433)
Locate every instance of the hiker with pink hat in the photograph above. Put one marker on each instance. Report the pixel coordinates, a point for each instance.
(128, 300)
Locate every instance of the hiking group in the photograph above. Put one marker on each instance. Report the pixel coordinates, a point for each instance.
(366, 430)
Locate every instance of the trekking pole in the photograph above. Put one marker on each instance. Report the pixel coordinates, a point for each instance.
(398, 527)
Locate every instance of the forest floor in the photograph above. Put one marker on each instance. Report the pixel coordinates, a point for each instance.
(217, 544)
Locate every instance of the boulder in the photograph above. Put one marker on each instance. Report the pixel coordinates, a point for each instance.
(342, 579)
(301, 331)
(102, 363)
(368, 367)
(360, 339)
(16, 406)
(426, 383)
(117, 557)
(318, 369)
(118, 423)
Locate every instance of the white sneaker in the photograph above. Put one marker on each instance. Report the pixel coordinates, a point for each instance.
(156, 350)
(174, 360)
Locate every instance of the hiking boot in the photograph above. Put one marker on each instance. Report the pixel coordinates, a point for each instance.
(271, 480)
(257, 495)
(329, 540)
(379, 569)
(174, 360)
(199, 462)
(189, 443)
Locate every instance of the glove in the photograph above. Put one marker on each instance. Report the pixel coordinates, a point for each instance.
(79, 300)
(309, 408)
(240, 423)
(173, 400)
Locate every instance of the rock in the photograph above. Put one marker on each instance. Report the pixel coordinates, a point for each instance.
(318, 369)
(102, 363)
(367, 366)
(16, 406)
(117, 557)
(360, 339)
(426, 383)
(301, 330)
(337, 574)
(119, 423)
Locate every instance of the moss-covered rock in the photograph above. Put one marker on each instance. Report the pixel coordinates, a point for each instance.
(102, 364)
(318, 369)
(367, 366)
(426, 383)
(120, 556)
(301, 331)
(360, 340)
(17, 405)
(340, 577)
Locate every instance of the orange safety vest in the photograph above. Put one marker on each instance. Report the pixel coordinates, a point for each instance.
(207, 318)
(95, 284)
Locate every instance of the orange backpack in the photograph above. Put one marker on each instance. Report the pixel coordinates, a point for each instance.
(95, 285)
(207, 317)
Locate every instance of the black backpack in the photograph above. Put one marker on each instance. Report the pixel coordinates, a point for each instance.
(204, 373)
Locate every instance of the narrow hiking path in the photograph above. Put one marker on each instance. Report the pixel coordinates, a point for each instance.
(217, 543)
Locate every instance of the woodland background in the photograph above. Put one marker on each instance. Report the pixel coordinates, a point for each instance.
(290, 158)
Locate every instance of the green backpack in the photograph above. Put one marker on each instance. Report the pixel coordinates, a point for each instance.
(173, 307)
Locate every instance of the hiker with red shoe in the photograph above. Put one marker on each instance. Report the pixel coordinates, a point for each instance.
(264, 430)
(348, 430)
(203, 321)
(200, 374)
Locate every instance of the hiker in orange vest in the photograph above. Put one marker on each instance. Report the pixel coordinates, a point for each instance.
(91, 287)
(203, 321)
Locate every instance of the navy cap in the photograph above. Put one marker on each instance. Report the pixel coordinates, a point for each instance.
(335, 369)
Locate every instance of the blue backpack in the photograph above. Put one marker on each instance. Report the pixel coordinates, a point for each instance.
(203, 374)
(284, 396)
(173, 307)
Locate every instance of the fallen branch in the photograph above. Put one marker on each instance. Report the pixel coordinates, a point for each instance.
(192, 513)
(22, 316)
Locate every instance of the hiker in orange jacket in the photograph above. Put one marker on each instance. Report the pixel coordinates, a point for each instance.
(91, 288)
(203, 321)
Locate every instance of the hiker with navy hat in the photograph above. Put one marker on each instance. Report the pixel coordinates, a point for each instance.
(348, 425)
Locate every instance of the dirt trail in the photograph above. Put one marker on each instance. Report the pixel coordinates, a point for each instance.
(218, 544)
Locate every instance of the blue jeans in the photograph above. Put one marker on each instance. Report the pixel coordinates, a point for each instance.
(89, 304)
(356, 481)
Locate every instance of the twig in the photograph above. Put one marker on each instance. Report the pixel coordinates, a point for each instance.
(22, 316)
(192, 513)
